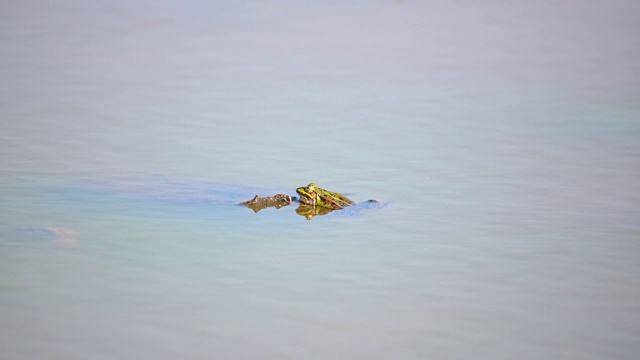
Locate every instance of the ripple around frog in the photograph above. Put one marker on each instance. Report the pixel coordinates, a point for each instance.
(315, 202)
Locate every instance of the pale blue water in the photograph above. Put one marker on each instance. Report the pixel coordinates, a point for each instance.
(505, 138)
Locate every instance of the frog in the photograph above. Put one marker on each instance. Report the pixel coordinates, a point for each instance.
(314, 196)
(313, 201)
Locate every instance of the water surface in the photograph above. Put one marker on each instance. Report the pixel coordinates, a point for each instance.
(504, 137)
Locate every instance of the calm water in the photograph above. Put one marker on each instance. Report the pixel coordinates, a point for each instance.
(506, 139)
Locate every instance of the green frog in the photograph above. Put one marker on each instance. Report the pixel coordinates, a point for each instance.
(314, 196)
(314, 201)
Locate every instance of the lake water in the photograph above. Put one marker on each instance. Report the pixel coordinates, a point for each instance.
(504, 139)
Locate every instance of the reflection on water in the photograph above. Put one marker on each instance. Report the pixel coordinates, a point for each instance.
(504, 135)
